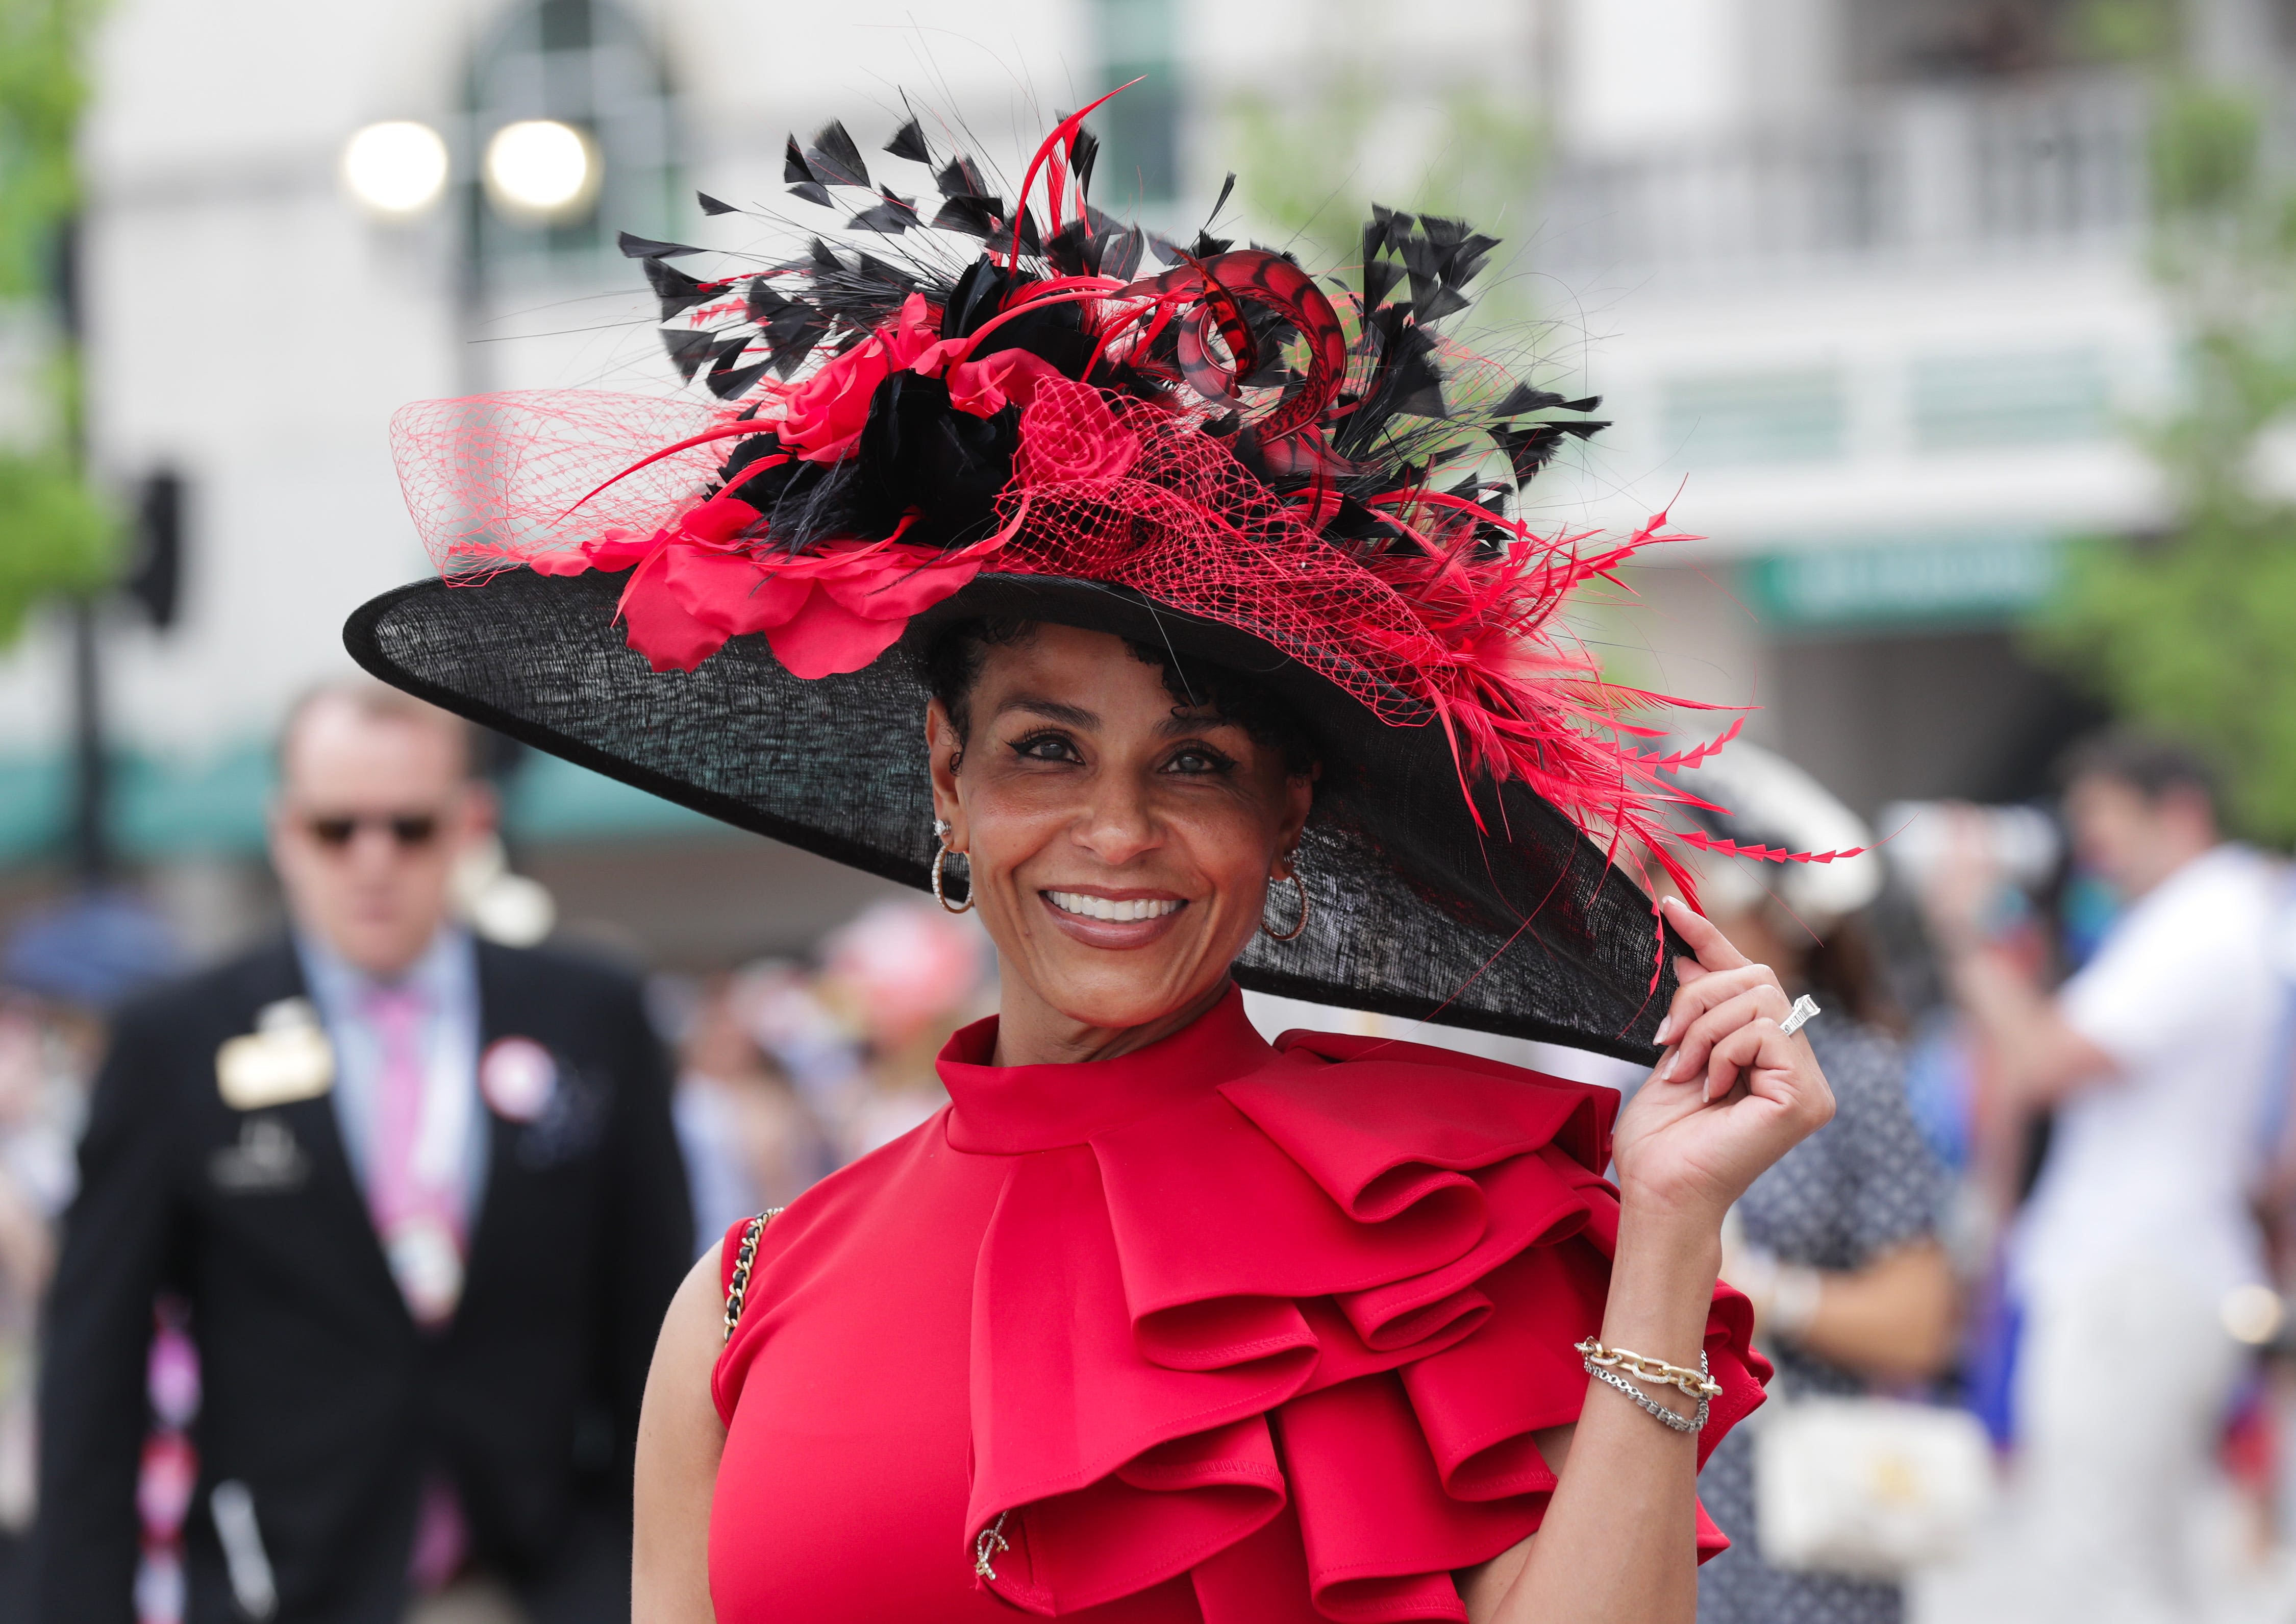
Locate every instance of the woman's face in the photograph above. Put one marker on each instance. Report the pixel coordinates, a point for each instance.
(1121, 843)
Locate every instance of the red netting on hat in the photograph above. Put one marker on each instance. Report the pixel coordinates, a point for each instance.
(493, 480)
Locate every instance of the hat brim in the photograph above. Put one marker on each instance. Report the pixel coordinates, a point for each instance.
(1522, 927)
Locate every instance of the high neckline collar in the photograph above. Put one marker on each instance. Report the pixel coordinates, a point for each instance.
(1008, 1110)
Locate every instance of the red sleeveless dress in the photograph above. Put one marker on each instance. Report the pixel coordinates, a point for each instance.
(1215, 1332)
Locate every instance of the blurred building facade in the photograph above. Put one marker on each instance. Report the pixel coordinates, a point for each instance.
(1862, 282)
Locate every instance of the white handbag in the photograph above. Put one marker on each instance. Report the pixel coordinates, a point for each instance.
(1867, 1487)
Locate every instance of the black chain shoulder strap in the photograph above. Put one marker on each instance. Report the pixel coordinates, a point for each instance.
(744, 1256)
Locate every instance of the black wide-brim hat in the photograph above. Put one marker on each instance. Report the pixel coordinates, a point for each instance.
(1522, 927)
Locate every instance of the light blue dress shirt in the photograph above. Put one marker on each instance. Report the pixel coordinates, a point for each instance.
(448, 977)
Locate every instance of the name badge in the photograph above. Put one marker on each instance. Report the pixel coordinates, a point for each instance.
(285, 1059)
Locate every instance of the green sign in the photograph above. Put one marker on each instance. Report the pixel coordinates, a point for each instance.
(1901, 582)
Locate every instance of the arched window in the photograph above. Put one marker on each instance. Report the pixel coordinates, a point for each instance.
(584, 63)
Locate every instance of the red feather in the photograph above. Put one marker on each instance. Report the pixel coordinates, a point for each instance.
(1766, 854)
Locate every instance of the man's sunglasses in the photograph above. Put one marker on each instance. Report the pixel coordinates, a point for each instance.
(411, 829)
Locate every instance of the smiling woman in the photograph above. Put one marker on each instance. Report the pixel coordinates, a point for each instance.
(1104, 603)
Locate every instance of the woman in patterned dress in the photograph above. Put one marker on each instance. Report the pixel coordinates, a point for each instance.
(1837, 1242)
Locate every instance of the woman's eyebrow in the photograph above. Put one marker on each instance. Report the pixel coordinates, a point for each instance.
(1183, 721)
(1051, 710)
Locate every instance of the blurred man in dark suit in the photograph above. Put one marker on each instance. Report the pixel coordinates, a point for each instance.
(423, 1196)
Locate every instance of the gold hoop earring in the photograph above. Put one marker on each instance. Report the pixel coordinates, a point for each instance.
(1299, 929)
(940, 853)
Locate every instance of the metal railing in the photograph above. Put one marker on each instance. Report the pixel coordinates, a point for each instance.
(1931, 172)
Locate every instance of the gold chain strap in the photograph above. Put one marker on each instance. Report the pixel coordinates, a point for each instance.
(744, 1255)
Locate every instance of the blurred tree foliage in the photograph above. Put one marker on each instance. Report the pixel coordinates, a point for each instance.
(56, 535)
(2193, 629)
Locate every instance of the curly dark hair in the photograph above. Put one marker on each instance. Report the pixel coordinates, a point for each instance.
(953, 660)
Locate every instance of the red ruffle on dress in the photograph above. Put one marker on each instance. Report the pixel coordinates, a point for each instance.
(1215, 1332)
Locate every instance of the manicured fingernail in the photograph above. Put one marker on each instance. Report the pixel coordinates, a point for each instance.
(1665, 1030)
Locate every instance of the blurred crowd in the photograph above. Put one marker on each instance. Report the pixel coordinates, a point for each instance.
(787, 1070)
(2025, 1295)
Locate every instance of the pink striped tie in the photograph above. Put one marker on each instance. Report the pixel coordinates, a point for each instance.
(414, 1207)
(421, 1222)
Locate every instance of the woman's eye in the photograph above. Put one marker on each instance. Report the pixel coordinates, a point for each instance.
(1044, 747)
(1194, 761)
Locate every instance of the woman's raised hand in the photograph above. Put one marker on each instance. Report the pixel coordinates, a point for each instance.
(1732, 1092)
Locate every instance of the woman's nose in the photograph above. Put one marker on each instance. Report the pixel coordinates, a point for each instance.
(1117, 826)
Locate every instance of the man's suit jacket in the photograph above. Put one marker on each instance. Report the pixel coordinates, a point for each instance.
(321, 1394)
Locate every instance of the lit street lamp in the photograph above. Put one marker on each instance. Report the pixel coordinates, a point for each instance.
(541, 169)
(395, 169)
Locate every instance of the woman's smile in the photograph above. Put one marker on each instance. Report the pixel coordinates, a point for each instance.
(1104, 918)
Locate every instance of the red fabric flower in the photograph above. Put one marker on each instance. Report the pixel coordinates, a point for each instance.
(1069, 435)
(986, 387)
(823, 416)
(823, 613)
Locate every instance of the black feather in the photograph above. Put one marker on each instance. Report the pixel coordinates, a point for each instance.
(916, 454)
(836, 160)
(1529, 450)
(813, 192)
(688, 349)
(791, 333)
(975, 216)
(959, 177)
(979, 295)
(1072, 249)
(1206, 244)
(763, 302)
(869, 268)
(1414, 387)
(892, 216)
(1424, 399)
(794, 167)
(646, 247)
(1226, 187)
(727, 382)
(1393, 225)
(1379, 277)
(909, 142)
(1467, 258)
(1087, 155)
(1442, 233)
(1442, 301)
(1524, 399)
(1120, 255)
(677, 290)
(711, 205)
